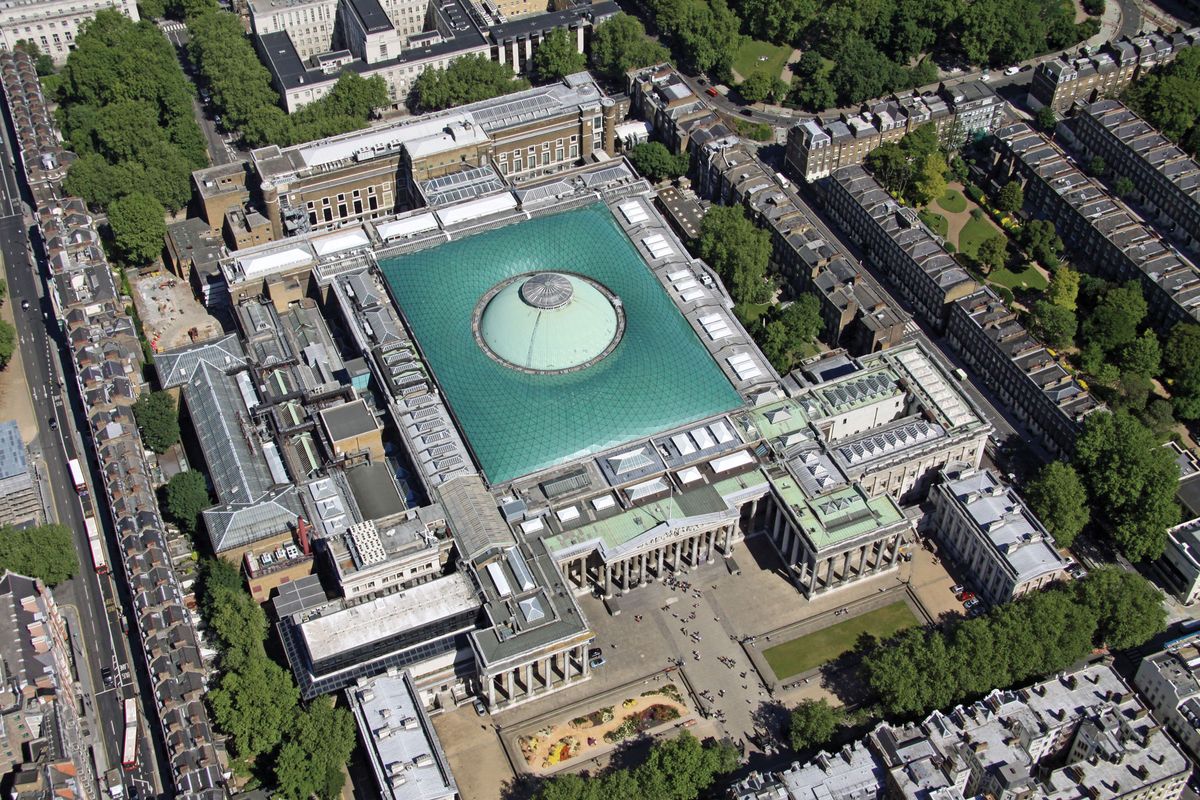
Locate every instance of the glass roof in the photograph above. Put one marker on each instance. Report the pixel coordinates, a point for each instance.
(659, 376)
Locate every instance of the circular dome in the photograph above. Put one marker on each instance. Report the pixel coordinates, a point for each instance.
(548, 322)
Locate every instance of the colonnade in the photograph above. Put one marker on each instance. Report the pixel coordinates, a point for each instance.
(536, 677)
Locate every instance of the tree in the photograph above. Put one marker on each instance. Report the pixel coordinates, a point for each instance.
(1053, 324)
(1181, 367)
(1097, 166)
(680, 768)
(468, 79)
(43, 64)
(761, 86)
(1063, 290)
(8, 342)
(1128, 609)
(992, 252)
(703, 34)
(556, 56)
(738, 250)
(862, 72)
(1045, 119)
(152, 9)
(186, 496)
(1123, 187)
(46, 552)
(1011, 197)
(930, 182)
(1115, 320)
(1169, 97)
(788, 337)
(620, 44)
(1058, 498)
(1142, 356)
(1041, 239)
(777, 21)
(254, 705)
(158, 420)
(138, 223)
(1128, 474)
(314, 753)
(813, 723)
(657, 163)
(811, 88)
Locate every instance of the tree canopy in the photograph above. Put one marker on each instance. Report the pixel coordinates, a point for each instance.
(738, 250)
(789, 333)
(1063, 290)
(468, 79)
(158, 420)
(656, 162)
(138, 223)
(310, 762)
(812, 723)
(913, 167)
(8, 342)
(556, 56)
(1169, 99)
(1058, 498)
(703, 34)
(1037, 635)
(620, 44)
(1115, 320)
(1181, 365)
(1011, 197)
(125, 107)
(186, 495)
(43, 551)
(1052, 323)
(675, 769)
(760, 86)
(1130, 476)
(1041, 239)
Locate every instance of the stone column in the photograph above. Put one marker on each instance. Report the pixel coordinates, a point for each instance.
(489, 690)
(508, 685)
(862, 560)
(606, 588)
(659, 569)
(579, 39)
(527, 678)
(516, 58)
(795, 556)
(529, 50)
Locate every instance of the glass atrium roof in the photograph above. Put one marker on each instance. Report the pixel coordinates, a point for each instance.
(658, 377)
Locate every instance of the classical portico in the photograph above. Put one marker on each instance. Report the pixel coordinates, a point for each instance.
(836, 539)
(508, 684)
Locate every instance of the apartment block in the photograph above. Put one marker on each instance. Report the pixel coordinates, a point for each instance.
(986, 528)
(1080, 734)
(306, 45)
(898, 243)
(1023, 373)
(1091, 74)
(20, 500)
(53, 24)
(1166, 181)
(816, 148)
(1100, 230)
(1169, 680)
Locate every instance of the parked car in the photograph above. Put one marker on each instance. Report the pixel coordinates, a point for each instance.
(958, 589)
(711, 91)
(1013, 70)
(966, 596)
(972, 603)
(480, 708)
(597, 662)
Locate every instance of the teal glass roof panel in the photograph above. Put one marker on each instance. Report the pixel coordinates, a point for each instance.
(659, 376)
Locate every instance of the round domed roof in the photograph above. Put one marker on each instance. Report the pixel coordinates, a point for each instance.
(548, 322)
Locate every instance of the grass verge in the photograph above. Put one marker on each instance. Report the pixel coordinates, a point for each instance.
(816, 648)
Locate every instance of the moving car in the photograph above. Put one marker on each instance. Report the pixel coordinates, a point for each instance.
(106, 675)
(711, 91)
(24, 305)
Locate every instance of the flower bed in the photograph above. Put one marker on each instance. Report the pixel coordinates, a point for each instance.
(641, 721)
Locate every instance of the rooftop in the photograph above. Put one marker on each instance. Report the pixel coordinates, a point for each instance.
(658, 376)
(12, 450)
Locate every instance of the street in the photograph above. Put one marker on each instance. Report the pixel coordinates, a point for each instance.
(89, 596)
(219, 150)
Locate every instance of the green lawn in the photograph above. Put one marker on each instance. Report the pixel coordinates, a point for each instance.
(974, 233)
(749, 313)
(953, 201)
(1028, 278)
(814, 649)
(935, 221)
(747, 59)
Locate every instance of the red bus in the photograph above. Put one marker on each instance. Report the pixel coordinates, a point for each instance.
(96, 545)
(129, 752)
(76, 474)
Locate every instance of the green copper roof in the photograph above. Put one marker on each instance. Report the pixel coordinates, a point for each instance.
(548, 322)
(658, 376)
